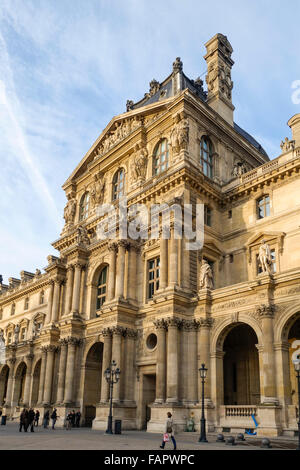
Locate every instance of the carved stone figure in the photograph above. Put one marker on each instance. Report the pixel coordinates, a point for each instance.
(2, 340)
(34, 328)
(239, 168)
(70, 209)
(82, 236)
(264, 256)
(140, 164)
(154, 87)
(206, 276)
(287, 145)
(180, 134)
(16, 333)
(97, 190)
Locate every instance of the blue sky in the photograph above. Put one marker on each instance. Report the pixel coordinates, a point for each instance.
(68, 66)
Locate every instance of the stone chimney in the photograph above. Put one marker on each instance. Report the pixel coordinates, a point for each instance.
(218, 78)
(294, 124)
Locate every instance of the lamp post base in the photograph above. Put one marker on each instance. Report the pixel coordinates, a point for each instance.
(109, 426)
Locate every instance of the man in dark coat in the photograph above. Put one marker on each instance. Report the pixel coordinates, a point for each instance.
(36, 418)
(31, 416)
(54, 417)
(24, 420)
(77, 419)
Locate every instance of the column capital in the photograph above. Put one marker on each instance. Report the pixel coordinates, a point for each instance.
(124, 244)
(11, 361)
(266, 311)
(73, 341)
(118, 330)
(49, 348)
(173, 322)
(160, 324)
(63, 342)
(113, 247)
(129, 333)
(206, 322)
(106, 332)
(29, 356)
(190, 325)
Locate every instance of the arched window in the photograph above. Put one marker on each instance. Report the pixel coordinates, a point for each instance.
(84, 206)
(161, 157)
(263, 207)
(118, 184)
(206, 156)
(101, 288)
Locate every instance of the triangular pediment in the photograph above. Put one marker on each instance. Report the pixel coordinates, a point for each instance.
(269, 237)
(118, 130)
(212, 246)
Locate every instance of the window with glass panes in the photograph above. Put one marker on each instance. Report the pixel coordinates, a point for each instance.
(207, 216)
(153, 276)
(26, 304)
(13, 309)
(206, 156)
(23, 334)
(42, 297)
(263, 207)
(161, 157)
(101, 288)
(9, 337)
(84, 206)
(118, 184)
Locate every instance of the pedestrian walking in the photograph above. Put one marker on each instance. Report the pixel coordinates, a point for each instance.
(23, 420)
(46, 419)
(54, 417)
(169, 432)
(69, 421)
(36, 418)
(73, 418)
(77, 419)
(31, 416)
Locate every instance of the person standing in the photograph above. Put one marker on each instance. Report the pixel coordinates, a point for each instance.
(23, 420)
(54, 417)
(69, 421)
(46, 419)
(169, 430)
(36, 418)
(77, 419)
(31, 416)
(73, 418)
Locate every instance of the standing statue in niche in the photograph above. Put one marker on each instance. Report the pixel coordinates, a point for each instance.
(97, 190)
(206, 276)
(16, 333)
(82, 237)
(264, 256)
(70, 209)
(140, 164)
(180, 134)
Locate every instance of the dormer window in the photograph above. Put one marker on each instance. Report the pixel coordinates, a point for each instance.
(206, 156)
(84, 206)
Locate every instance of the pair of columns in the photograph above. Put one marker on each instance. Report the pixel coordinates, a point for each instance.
(112, 350)
(172, 370)
(116, 272)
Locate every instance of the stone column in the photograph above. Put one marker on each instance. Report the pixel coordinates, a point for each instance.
(42, 375)
(185, 265)
(69, 289)
(190, 363)
(160, 361)
(28, 379)
(131, 278)
(76, 289)
(173, 259)
(172, 358)
(204, 357)
(49, 375)
(70, 371)
(111, 271)
(106, 361)
(118, 332)
(55, 304)
(121, 270)
(130, 336)
(50, 301)
(62, 371)
(11, 363)
(266, 313)
(163, 263)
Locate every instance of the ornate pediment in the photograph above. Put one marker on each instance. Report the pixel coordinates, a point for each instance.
(270, 237)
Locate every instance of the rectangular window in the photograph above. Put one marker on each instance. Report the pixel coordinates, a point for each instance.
(207, 216)
(230, 214)
(23, 334)
(153, 276)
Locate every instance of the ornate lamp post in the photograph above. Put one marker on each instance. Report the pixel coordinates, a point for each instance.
(297, 369)
(203, 372)
(112, 375)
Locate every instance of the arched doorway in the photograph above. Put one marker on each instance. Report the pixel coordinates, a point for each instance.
(92, 382)
(241, 367)
(35, 383)
(18, 393)
(294, 349)
(3, 383)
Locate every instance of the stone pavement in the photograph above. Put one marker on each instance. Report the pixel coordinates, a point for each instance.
(87, 439)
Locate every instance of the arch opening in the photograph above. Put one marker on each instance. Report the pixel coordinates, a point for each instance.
(92, 382)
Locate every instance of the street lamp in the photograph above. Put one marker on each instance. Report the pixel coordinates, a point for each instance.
(203, 372)
(297, 369)
(112, 375)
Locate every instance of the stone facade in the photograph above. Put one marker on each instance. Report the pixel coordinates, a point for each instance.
(234, 305)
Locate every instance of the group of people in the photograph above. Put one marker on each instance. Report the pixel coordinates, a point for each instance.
(30, 418)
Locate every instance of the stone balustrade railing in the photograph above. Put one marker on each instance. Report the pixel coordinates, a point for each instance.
(240, 411)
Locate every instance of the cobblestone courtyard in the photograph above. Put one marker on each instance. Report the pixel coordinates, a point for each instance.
(86, 439)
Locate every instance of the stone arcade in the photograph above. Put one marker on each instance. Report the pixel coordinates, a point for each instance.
(158, 310)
